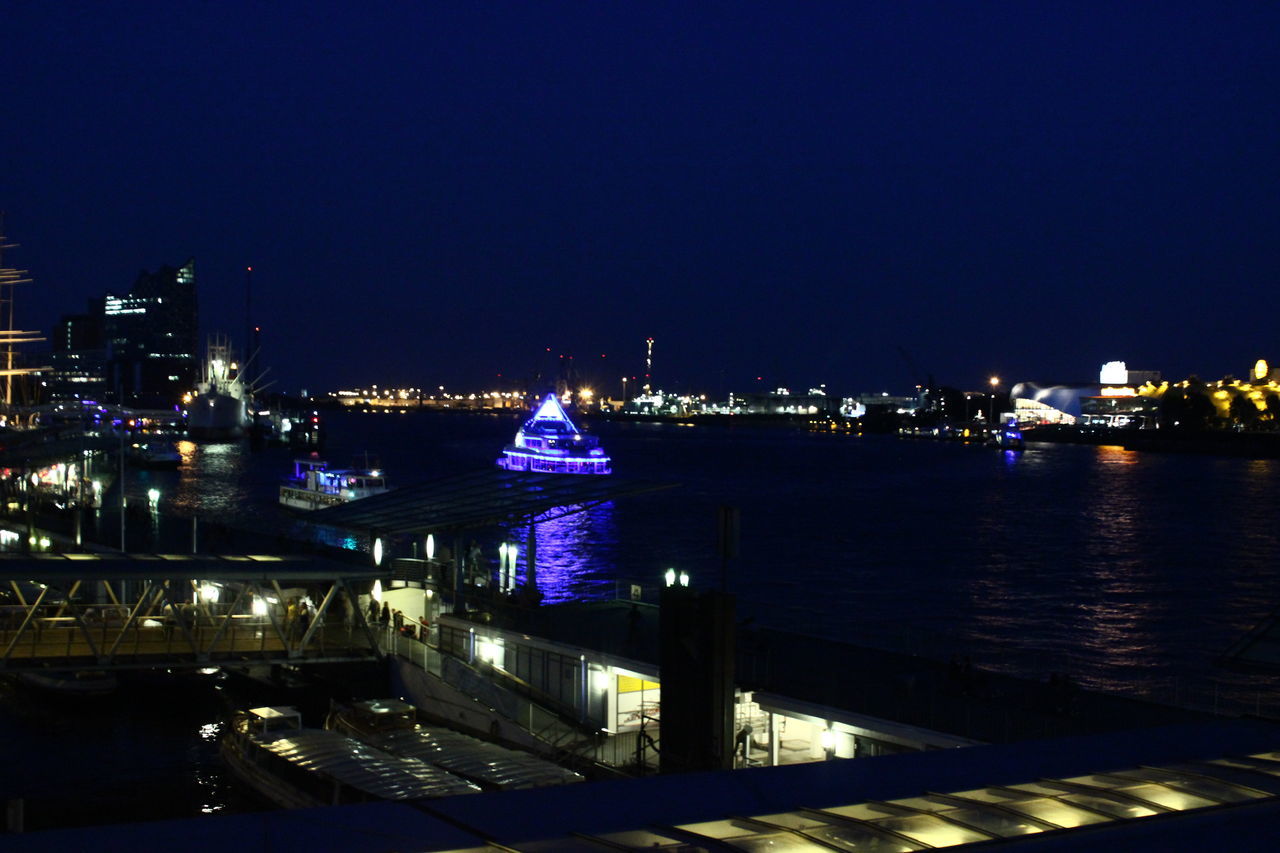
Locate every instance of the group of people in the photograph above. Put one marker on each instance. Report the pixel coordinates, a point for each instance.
(385, 616)
(298, 615)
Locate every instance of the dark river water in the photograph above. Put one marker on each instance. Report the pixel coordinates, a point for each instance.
(1129, 572)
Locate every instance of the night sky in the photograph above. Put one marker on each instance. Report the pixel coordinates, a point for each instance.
(845, 193)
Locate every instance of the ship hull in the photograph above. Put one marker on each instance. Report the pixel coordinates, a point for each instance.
(217, 417)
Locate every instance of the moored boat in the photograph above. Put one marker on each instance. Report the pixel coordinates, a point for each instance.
(550, 443)
(315, 486)
(78, 683)
(1007, 437)
(295, 767)
(391, 725)
(219, 409)
(154, 454)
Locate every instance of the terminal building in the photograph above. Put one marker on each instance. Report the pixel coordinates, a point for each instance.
(1113, 401)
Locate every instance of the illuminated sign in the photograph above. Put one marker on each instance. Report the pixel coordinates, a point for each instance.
(1119, 392)
(1114, 373)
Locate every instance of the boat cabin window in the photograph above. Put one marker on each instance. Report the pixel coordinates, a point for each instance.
(302, 466)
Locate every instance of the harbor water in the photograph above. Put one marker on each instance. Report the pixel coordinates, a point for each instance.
(1124, 571)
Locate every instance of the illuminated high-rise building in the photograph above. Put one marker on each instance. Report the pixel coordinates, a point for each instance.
(151, 338)
(78, 357)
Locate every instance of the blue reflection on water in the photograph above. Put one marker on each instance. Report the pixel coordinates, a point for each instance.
(568, 554)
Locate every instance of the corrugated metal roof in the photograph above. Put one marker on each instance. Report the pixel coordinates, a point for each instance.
(361, 766)
(486, 763)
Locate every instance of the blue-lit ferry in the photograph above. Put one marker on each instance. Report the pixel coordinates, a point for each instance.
(549, 443)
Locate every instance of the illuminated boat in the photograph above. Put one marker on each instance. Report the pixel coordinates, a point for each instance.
(549, 443)
(1007, 437)
(295, 767)
(314, 486)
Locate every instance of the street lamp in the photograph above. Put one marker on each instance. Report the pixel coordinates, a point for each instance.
(995, 383)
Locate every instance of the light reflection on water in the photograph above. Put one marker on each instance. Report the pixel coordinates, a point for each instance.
(1118, 599)
(211, 479)
(568, 552)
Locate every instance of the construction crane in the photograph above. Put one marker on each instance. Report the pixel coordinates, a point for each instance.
(916, 372)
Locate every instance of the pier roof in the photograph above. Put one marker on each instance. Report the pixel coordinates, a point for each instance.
(128, 566)
(44, 447)
(482, 499)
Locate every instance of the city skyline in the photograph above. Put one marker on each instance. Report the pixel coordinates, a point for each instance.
(856, 196)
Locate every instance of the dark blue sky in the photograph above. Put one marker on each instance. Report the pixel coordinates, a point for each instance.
(434, 193)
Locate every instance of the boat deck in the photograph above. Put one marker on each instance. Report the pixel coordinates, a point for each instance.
(361, 766)
(488, 764)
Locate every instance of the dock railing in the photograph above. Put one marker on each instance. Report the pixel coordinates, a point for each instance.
(564, 740)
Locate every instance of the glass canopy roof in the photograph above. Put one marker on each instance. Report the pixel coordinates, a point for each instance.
(963, 817)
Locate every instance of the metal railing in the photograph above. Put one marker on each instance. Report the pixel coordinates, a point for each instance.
(564, 740)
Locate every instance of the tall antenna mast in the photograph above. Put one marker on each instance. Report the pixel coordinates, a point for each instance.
(9, 336)
(648, 365)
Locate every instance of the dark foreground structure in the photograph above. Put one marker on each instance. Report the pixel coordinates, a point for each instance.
(1212, 786)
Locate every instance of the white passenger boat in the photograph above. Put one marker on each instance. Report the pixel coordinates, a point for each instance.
(315, 486)
(391, 726)
(295, 767)
(549, 443)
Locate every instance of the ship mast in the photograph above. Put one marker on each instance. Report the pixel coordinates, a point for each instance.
(248, 315)
(9, 336)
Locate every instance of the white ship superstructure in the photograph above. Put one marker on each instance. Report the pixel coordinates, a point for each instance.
(219, 409)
